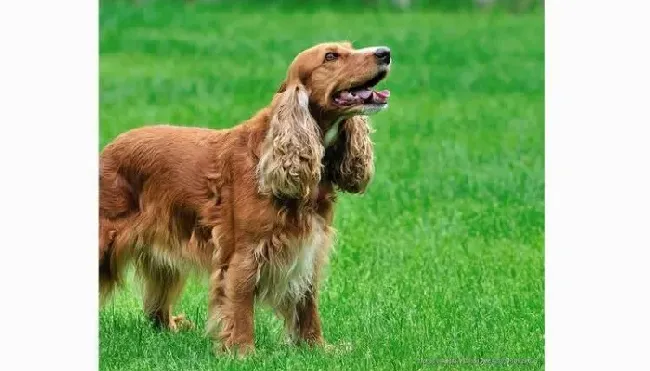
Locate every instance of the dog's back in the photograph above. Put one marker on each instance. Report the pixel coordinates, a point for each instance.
(149, 180)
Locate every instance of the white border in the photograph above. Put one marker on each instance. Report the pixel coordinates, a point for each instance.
(597, 189)
(597, 184)
(48, 162)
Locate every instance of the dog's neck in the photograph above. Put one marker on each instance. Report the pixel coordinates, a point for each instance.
(332, 133)
(329, 123)
(324, 119)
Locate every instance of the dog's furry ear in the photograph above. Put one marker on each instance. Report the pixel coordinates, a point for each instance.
(350, 160)
(291, 157)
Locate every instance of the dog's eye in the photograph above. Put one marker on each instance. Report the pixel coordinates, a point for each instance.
(331, 56)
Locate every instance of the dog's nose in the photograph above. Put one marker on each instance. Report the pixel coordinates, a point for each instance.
(383, 55)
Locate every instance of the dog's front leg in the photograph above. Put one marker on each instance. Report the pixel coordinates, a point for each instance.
(302, 321)
(231, 305)
(308, 321)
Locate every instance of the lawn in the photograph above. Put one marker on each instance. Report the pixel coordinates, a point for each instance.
(442, 260)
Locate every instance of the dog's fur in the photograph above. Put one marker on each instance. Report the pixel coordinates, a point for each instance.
(251, 205)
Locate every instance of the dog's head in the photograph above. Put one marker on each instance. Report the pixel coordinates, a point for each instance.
(339, 80)
(325, 84)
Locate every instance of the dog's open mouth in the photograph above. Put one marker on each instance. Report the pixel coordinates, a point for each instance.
(363, 94)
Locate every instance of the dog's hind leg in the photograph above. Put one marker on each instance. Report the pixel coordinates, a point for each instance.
(108, 275)
(163, 284)
(118, 213)
(113, 255)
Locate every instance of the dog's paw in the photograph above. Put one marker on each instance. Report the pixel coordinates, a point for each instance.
(240, 351)
(180, 323)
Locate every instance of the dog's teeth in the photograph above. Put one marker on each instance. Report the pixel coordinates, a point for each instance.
(383, 93)
(379, 97)
(346, 95)
(367, 96)
(364, 94)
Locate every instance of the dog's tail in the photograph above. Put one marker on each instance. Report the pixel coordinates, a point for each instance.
(109, 265)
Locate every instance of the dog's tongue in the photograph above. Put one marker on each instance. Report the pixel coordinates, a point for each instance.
(346, 95)
(380, 96)
(383, 93)
(347, 98)
(363, 96)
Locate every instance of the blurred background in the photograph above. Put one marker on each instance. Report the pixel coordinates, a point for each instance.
(441, 262)
(453, 5)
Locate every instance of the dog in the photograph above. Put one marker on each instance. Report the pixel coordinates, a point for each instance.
(251, 205)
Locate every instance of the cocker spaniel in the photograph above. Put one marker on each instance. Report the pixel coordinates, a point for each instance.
(251, 205)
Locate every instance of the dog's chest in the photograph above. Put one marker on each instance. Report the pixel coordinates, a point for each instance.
(287, 279)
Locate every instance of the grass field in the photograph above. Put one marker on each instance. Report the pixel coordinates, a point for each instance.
(442, 259)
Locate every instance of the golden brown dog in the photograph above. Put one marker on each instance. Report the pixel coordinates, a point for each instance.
(251, 205)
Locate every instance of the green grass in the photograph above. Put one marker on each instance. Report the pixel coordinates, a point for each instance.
(443, 258)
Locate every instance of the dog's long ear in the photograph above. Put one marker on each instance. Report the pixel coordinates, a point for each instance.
(291, 157)
(350, 160)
